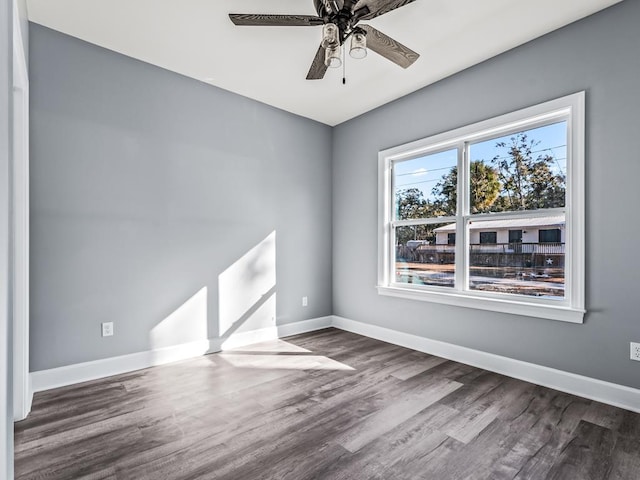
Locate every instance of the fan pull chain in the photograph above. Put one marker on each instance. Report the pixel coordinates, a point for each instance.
(344, 66)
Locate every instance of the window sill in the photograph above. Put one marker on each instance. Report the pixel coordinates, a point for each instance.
(551, 312)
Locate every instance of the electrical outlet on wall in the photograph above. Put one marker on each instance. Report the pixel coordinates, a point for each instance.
(635, 351)
(107, 329)
(305, 301)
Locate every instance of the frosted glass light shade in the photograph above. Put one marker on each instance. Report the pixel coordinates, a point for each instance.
(330, 35)
(332, 57)
(358, 45)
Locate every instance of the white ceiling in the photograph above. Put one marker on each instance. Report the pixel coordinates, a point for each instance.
(269, 64)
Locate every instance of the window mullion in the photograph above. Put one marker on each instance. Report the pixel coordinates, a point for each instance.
(461, 277)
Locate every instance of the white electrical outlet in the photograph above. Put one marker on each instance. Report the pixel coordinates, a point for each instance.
(305, 301)
(635, 351)
(107, 329)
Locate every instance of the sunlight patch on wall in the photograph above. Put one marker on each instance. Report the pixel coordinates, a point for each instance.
(247, 290)
(188, 319)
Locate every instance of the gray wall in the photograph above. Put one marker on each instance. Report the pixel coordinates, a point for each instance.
(146, 186)
(599, 55)
(6, 353)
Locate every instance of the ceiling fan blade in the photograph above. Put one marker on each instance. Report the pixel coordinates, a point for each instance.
(318, 68)
(360, 13)
(389, 48)
(275, 20)
(349, 4)
(380, 7)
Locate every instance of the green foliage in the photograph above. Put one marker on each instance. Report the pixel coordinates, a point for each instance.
(484, 190)
(527, 180)
(410, 203)
(446, 194)
(485, 187)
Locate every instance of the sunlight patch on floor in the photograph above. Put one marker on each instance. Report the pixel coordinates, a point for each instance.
(279, 354)
(273, 346)
(283, 362)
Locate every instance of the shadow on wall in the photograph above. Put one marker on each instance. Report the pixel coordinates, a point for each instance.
(246, 303)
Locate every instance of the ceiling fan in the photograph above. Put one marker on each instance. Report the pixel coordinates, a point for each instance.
(340, 20)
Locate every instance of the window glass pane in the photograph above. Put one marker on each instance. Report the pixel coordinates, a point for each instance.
(523, 171)
(548, 236)
(515, 236)
(528, 267)
(426, 187)
(424, 256)
(488, 237)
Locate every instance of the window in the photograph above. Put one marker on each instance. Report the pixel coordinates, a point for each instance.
(510, 190)
(488, 237)
(515, 236)
(549, 236)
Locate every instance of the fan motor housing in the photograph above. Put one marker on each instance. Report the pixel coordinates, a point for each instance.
(343, 18)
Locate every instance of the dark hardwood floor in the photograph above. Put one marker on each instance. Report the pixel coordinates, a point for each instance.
(323, 405)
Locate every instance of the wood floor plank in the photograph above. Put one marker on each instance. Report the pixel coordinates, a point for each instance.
(328, 405)
(626, 458)
(416, 367)
(630, 424)
(522, 437)
(548, 437)
(399, 450)
(587, 455)
(604, 415)
(394, 414)
(470, 392)
(108, 473)
(483, 411)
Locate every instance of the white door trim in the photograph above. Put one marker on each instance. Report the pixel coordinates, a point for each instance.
(22, 394)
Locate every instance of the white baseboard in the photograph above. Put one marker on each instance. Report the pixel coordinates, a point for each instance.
(22, 410)
(591, 388)
(601, 391)
(84, 372)
(94, 370)
(304, 326)
(254, 336)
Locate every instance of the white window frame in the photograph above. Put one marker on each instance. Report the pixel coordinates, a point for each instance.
(570, 309)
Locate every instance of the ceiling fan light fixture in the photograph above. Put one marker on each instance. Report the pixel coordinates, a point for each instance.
(330, 35)
(340, 20)
(332, 57)
(358, 45)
